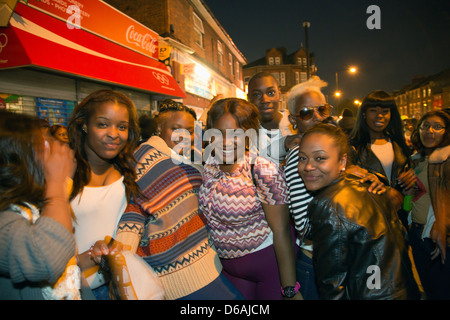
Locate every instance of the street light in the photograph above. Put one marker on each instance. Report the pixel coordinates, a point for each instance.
(307, 25)
(351, 70)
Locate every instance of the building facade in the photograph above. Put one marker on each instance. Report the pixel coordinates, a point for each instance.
(288, 69)
(194, 46)
(424, 94)
(54, 53)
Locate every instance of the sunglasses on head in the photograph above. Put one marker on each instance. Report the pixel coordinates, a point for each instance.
(307, 113)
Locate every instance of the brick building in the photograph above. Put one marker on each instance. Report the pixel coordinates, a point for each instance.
(424, 94)
(201, 55)
(288, 69)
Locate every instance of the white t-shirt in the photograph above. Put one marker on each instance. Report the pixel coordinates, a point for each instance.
(384, 153)
(97, 211)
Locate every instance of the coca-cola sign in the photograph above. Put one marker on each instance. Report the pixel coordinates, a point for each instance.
(144, 41)
(95, 16)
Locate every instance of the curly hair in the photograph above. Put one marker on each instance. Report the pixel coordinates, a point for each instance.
(21, 172)
(124, 161)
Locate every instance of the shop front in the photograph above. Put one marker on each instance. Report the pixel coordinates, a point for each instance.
(55, 53)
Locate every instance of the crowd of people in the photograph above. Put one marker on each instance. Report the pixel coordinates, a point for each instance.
(352, 209)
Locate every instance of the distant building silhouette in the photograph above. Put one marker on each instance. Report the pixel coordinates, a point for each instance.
(288, 69)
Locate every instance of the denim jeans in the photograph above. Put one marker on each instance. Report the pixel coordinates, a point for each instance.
(306, 276)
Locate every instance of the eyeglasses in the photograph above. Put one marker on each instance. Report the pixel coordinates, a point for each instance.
(175, 106)
(435, 127)
(307, 112)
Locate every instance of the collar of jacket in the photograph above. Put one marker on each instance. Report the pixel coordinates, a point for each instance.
(440, 155)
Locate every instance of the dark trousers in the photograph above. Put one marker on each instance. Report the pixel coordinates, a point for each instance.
(434, 276)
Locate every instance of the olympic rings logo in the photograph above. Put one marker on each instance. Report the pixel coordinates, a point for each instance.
(161, 78)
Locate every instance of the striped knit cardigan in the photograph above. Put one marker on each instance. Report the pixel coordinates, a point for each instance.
(167, 229)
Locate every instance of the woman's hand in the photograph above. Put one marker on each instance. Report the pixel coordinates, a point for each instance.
(407, 179)
(103, 248)
(59, 162)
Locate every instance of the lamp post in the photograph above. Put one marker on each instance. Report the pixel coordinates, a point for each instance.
(351, 70)
(306, 25)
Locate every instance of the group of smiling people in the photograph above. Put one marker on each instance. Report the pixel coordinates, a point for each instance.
(315, 216)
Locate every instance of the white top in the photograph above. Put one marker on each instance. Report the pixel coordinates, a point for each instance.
(98, 211)
(384, 153)
(271, 142)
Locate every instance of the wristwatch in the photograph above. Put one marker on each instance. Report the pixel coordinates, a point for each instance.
(289, 292)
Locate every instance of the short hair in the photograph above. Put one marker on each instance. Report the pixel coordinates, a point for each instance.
(260, 75)
(244, 112)
(170, 105)
(21, 173)
(314, 84)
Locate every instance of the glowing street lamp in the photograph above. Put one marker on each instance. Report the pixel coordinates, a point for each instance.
(351, 70)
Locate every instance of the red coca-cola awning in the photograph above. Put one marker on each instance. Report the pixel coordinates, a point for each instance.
(36, 39)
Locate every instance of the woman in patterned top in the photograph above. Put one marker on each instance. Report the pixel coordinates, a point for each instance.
(166, 228)
(245, 203)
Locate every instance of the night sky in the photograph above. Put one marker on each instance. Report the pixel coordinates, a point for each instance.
(414, 38)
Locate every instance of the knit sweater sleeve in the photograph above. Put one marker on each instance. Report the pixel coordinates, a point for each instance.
(33, 252)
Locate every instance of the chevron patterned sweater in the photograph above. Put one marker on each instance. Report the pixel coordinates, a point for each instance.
(232, 204)
(172, 234)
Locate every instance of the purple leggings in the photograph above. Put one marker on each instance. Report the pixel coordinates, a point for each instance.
(255, 275)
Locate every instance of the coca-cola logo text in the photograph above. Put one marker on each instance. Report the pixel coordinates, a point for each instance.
(144, 41)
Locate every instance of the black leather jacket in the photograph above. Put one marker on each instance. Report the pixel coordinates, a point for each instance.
(359, 244)
(364, 157)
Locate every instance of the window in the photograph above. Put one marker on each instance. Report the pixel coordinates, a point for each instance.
(297, 77)
(304, 61)
(198, 30)
(238, 74)
(282, 79)
(230, 62)
(277, 61)
(270, 61)
(303, 76)
(299, 60)
(220, 52)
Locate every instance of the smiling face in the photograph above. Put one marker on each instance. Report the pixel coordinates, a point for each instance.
(107, 131)
(377, 119)
(232, 145)
(429, 136)
(264, 93)
(170, 125)
(320, 162)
